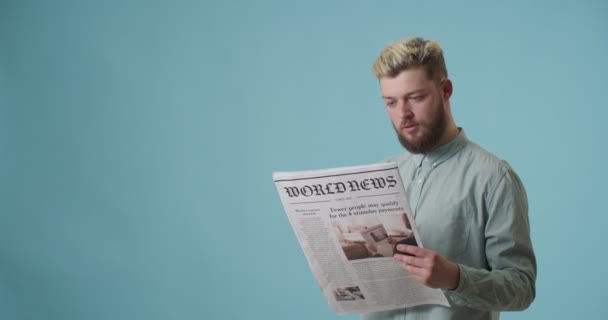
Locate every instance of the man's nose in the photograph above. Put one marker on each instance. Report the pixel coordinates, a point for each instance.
(404, 110)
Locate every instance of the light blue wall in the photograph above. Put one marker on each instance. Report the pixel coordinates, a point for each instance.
(137, 141)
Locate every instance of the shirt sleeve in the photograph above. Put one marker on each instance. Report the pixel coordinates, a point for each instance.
(509, 284)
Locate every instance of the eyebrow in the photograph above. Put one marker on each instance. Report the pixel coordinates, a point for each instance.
(406, 95)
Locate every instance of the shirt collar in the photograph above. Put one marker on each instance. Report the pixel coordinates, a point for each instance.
(441, 154)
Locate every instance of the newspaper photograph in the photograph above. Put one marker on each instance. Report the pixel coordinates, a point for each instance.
(348, 222)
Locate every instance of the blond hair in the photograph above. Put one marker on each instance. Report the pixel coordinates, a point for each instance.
(411, 53)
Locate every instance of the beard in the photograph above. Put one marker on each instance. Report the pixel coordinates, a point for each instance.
(431, 134)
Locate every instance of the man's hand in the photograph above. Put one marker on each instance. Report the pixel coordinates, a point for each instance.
(428, 267)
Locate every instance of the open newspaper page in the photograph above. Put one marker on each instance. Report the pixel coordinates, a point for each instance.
(348, 222)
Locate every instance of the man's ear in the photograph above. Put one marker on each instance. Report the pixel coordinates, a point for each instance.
(446, 89)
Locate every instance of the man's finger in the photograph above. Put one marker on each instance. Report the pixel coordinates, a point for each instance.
(411, 260)
(414, 250)
(417, 272)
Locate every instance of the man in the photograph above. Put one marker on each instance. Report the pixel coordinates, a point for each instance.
(470, 207)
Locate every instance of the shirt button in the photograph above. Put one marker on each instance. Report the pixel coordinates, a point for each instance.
(420, 181)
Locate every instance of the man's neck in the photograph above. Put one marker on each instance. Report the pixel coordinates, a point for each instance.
(451, 132)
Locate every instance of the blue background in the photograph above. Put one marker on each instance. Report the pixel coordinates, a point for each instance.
(137, 141)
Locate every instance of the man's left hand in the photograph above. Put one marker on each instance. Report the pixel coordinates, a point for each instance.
(428, 267)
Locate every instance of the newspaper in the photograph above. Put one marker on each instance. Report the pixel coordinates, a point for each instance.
(348, 222)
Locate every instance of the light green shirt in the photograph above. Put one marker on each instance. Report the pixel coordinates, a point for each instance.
(470, 207)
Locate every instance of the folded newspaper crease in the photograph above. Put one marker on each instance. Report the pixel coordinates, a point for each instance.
(348, 222)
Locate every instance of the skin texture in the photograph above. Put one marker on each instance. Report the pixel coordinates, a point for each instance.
(420, 111)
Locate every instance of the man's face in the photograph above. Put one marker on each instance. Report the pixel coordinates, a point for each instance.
(416, 108)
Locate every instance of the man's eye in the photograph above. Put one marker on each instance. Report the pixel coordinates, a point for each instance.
(391, 103)
(417, 98)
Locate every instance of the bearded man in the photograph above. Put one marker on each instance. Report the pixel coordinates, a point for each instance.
(470, 207)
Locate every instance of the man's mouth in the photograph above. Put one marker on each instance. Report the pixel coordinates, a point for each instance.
(409, 127)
